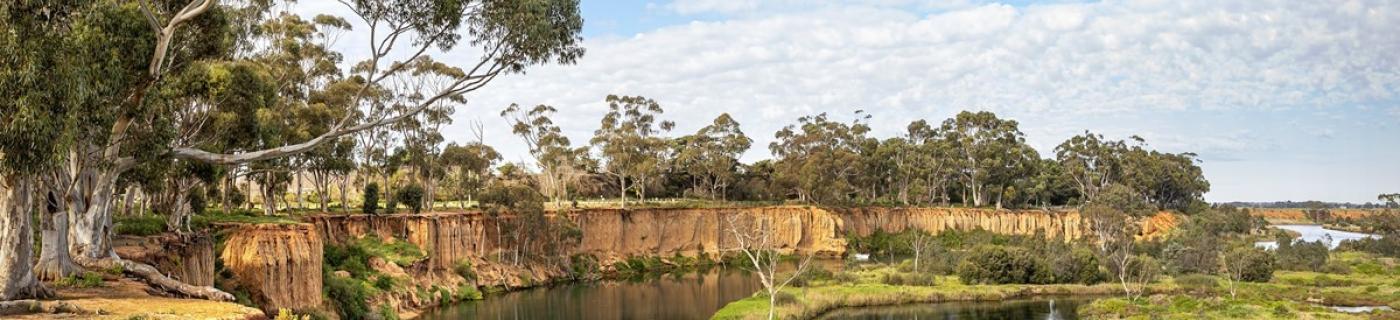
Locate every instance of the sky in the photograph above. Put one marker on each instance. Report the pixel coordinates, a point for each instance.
(1281, 100)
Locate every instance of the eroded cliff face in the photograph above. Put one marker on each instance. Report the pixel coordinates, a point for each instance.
(189, 258)
(1054, 224)
(612, 234)
(281, 264)
(278, 265)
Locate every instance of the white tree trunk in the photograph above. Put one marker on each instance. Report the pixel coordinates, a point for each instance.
(54, 261)
(17, 280)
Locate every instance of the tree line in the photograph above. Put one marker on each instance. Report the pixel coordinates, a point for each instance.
(973, 159)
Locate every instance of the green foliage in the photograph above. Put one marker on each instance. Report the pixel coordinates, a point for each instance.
(1300, 256)
(197, 202)
(1001, 265)
(1248, 264)
(87, 279)
(628, 141)
(467, 291)
(144, 225)
(347, 295)
(384, 282)
(908, 279)
(371, 198)
(387, 312)
(465, 270)
(412, 196)
(1198, 284)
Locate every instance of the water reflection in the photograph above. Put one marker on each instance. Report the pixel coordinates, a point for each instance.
(1042, 308)
(689, 296)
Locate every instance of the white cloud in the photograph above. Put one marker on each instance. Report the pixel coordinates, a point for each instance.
(1049, 66)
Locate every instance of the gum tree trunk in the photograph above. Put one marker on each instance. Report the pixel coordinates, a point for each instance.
(54, 261)
(17, 280)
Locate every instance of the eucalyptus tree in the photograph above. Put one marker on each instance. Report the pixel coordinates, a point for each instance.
(112, 57)
(817, 158)
(628, 142)
(469, 167)
(711, 155)
(929, 162)
(1168, 180)
(987, 152)
(1091, 161)
(559, 162)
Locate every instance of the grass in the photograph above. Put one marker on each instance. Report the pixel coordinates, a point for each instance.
(866, 287)
(1373, 281)
(144, 225)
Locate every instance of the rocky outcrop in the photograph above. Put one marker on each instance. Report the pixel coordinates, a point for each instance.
(278, 265)
(187, 258)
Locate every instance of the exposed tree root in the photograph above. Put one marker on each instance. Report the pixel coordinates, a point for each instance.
(19, 307)
(148, 274)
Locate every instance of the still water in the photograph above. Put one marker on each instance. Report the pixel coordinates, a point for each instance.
(689, 296)
(1040, 309)
(1312, 233)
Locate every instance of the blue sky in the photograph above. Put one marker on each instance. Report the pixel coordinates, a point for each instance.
(1282, 100)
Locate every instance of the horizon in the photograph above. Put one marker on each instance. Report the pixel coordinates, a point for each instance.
(1282, 101)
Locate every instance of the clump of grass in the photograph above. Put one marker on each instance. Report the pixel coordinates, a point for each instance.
(147, 225)
(87, 279)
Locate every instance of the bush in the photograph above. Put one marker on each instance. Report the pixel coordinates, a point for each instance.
(846, 277)
(371, 198)
(468, 292)
(87, 279)
(411, 196)
(1250, 264)
(815, 273)
(1003, 265)
(1301, 256)
(197, 202)
(1080, 266)
(139, 225)
(908, 279)
(347, 295)
(1198, 284)
(784, 298)
(465, 270)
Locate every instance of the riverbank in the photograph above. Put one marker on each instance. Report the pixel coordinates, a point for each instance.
(873, 287)
(1368, 281)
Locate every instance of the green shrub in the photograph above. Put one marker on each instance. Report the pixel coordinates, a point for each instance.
(197, 202)
(384, 282)
(583, 265)
(994, 264)
(387, 313)
(1253, 264)
(846, 277)
(87, 279)
(908, 279)
(371, 198)
(347, 295)
(1198, 284)
(465, 270)
(815, 273)
(411, 196)
(139, 225)
(784, 298)
(468, 292)
(1301, 256)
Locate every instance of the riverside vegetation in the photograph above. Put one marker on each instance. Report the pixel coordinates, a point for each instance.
(126, 118)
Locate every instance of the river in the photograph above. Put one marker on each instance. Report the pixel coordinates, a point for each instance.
(1046, 308)
(1311, 233)
(688, 296)
(698, 295)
